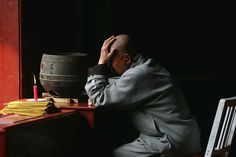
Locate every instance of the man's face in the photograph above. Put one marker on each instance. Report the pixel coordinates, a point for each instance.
(119, 63)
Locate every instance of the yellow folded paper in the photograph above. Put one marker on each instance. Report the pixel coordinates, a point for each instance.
(29, 108)
(28, 103)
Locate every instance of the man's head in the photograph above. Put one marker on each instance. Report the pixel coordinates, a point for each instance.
(123, 57)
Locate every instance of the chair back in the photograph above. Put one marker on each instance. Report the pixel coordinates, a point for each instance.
(223, 128)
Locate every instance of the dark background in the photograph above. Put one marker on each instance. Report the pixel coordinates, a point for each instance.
(194, 40)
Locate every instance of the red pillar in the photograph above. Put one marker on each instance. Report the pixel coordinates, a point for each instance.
(10, 68)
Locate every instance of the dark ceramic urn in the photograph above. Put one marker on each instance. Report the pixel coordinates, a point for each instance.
(64, 75)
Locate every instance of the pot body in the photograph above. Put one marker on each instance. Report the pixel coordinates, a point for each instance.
(63, 75)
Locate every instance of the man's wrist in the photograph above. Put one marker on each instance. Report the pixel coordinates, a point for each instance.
(102, 61)
(100, 69)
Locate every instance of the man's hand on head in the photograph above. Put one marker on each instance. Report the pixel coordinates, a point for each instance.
(106, 51)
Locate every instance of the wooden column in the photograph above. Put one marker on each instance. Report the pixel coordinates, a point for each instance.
(10, 83)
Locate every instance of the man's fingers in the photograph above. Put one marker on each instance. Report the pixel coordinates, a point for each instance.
(110, 38)
(108, 41)
(107, 44)
(111, 53)
(106, 53)
(111, 41)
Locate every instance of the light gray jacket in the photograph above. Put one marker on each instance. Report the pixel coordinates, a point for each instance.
(156, 106)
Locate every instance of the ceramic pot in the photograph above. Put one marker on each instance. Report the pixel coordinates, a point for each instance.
(64, 75)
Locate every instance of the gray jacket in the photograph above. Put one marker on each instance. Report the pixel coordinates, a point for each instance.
(156, 105)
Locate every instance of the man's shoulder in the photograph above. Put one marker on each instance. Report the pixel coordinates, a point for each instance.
(141, 70)
(148, 70)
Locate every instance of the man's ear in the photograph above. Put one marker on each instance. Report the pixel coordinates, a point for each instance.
(127, 59)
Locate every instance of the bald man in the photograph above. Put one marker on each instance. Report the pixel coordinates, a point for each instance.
(146, 92)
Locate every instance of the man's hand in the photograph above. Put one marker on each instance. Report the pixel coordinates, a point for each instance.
(106, 53)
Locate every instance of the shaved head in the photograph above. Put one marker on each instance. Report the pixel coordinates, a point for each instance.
(124, 43)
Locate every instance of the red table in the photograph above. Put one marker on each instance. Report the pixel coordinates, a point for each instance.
(83, 108)
(81, 128)
(52, 120)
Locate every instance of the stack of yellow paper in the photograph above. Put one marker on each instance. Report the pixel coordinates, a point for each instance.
(29, 108)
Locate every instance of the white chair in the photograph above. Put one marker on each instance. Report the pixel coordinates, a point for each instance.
(222, 132)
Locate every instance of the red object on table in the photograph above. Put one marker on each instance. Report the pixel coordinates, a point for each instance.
(35, 89)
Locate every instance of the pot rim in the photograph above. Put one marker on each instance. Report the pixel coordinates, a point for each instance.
(66, 53)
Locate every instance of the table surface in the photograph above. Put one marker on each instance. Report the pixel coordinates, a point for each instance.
(80, 106)
(69, 115)
(29, 120)
(65, 109)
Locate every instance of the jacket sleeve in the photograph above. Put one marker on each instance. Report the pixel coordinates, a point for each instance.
(132, 88)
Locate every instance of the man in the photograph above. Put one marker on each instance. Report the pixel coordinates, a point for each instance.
(146, 92)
